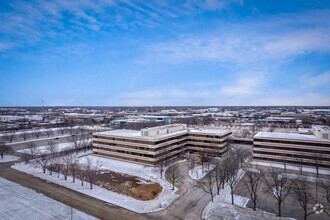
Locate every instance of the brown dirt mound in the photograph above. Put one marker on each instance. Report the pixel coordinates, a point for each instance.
(133, 186)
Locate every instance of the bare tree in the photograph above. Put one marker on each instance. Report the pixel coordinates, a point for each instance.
(52, 164)
(252, 183)
(90, 171)
(318, 159)
(277, 185)
(232, 174)
(32, 150)
(43, 161)
(57, 165)
(36, 133)
(161, 167)
(174, 175)
(24, 135)
(84, 141)
(325, 184)
(9, 136)
(284, 161)
(81, 176)
(49, 132)
(192, 160)
(62, 130)
(52, 147)
(220, 176)
(3, 149)
(300, 163)
(302, 194)
(241, 154)
(207, 184)
(66, 166)
(75, 142)
(74, 169)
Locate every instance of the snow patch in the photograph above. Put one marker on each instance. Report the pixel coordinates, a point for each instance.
(8, 158)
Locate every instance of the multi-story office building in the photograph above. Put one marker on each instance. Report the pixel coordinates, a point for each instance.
(153, 145)
(308, 150)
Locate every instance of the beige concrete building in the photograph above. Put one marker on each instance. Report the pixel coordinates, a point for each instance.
(153, 145)
(321, 131)
(308, 150)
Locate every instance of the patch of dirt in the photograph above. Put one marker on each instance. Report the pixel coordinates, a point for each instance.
(133, 186)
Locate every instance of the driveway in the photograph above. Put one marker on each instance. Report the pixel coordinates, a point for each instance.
(190, 205)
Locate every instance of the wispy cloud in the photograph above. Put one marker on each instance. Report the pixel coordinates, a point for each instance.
(248, 43)
(310, 81)
(27, 23)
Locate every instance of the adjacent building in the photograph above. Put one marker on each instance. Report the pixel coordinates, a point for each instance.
(150, 146)
(309, 150)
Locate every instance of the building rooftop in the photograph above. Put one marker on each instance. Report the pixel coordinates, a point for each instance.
(137, 134)
(294, 136)
(209, 131)
(322, 128)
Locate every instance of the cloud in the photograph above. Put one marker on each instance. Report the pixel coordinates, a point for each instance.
(309, 81)
(243, 87)
(250, 42)
(27, 23)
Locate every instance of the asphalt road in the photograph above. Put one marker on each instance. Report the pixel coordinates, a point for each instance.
(190, 205)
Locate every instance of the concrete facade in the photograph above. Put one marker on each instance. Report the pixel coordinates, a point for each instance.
(294, 149)
(153, 145)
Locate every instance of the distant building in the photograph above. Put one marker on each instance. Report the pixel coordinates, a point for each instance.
(321, 131)
(153, 145)
(308, 150)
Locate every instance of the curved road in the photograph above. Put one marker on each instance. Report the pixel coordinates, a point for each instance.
(190, 205)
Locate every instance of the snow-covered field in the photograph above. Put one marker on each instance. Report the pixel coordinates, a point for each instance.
(44, 149)
(18, 202)
(40, 139)
(8, 158)
(304, 169)
(198, 173)
(163, 200)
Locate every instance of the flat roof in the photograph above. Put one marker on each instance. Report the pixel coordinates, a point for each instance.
(137, 134)
(322, 128)
(295, 136)
(209, 131)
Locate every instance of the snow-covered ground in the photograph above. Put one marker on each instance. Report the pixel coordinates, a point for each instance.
(163, 200)
(307, 178)
(197, 173)
(304, 169)
(44, 149)
(18, 202)
(8, 158)
(222, 209)
(92, 128)
(40, 139)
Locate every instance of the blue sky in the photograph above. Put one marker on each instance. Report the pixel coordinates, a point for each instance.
(193, 52)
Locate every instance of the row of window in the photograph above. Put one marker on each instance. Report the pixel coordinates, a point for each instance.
(291, 149)
(157, 142)
(294, 156)
(125, 158)
(133, 159)
(294, 142)
(291, 162)
(209, 136)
